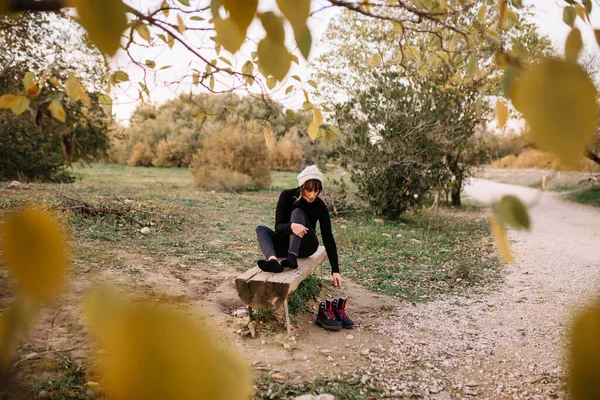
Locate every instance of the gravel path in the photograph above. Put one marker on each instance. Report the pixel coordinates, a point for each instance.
(509, 343)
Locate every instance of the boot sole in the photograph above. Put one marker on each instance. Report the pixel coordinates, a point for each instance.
(328, 328)
(348, 327)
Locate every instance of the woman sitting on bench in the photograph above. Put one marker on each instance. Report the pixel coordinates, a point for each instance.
(298, 211)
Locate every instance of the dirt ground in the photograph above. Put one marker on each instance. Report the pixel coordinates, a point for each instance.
(504, 342)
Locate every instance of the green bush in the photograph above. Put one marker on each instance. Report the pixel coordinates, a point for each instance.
(231, 158)
(308, 290)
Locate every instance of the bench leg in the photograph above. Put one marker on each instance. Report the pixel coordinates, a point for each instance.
(287, 317)
(250, 318)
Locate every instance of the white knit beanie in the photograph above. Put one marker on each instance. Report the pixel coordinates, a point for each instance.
(310, 172)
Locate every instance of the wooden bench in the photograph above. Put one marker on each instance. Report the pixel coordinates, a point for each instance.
(269, 290)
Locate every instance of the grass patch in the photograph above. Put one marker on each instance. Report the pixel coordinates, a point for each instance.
(341, 387)
(590, 197)
(419, 257)
(308, 290)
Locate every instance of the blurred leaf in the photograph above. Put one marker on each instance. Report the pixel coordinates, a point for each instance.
(502, 12)
(165, 7)
(143, 31)
(156, 353)
(588, 5)
(181, 28)
(231, 32)
(500, 238)
(198, 113)
(226, 61)
(267, 135)
(481, 14)
(597, 35)
(296, 77)
(211, 82)
(34, 250)
(105, 101)
(297, 12)
(271, 82)
(313, 128)
(443, 6)
(573, 45)
(170, 41)
(472, 66)
(57, 111)
(508, 80)
(501, 113)
(83, 96)
(9, 100)
(21, 106)
(28, 80)
(185, 2)
(512, 211)
(72, 87)
(569, 15)
(121, 76)
(150, 64)
(289, 89)
(584, 355)
(558, 99)
(312, 83)
(104, 21)
(291, 115)
(196, 18)
(273, 56)
(14, 325)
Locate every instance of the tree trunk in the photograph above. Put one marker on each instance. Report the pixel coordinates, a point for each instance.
(589, 154)
(456, 199)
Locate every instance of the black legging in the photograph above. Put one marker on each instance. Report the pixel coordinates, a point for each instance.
(275, 244)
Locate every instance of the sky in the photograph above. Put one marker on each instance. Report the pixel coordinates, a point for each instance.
(548, 17)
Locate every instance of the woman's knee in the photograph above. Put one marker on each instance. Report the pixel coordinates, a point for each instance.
(298, 215)
(261, 229)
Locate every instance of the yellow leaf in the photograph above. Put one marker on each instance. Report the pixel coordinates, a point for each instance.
(9, 100)
(500, 238)
(165, 8)
(14, 325)
(502, 12)
(21, 106)
(72, 87)
(28, 80)
(584, 355)
(104, 21)
(481, 14)
(170, 40)
(267, 136)
(306, 95)
(180, 24)
(55, 82)
(92, 384)
(278, 377)
(501, 113)
(156, 353)
(231, 31)
(273, 56)
(444, 5)
(512, 211)
(313, 128)
(376, 60)
(558, 100)
(297, 12)
(271, 82)
(33, 91)
(34, 250)
(83, 96)
(143, 31)
(573, 45)
(57, 111)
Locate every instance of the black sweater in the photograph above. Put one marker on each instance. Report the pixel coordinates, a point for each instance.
(315, 211)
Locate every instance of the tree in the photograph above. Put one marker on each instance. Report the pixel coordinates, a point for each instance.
(421, 136)
(32, 145)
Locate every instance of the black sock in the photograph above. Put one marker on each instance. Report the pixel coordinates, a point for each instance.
(270, 265)
(291, 261)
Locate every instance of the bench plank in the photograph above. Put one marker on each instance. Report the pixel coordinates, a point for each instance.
(269, 290)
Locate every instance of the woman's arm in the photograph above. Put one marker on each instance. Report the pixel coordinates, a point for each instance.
(283, 213)
(328, 239)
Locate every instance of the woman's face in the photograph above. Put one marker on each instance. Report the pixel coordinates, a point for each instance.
(310, 194)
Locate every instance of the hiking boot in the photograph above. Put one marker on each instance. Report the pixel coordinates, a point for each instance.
(326, 317)
(339, 308)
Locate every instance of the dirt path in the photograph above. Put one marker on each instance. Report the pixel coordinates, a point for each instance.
(508, 344)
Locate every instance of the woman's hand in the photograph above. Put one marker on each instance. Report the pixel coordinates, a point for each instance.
(337, 280)
(299, 229)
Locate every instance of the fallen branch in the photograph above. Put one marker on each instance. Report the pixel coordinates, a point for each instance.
(35, 356)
